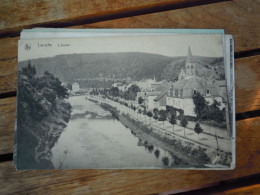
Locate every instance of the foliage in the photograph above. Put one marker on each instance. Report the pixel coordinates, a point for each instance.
(140, 100)
(94, 92)
(208, 112)
(131, 92)
(173, 119)
(184, 121)
(157, 153)
(198, 129)
(41, 104)
(155, 113)
(139, 110)
(200, 103)
(149, 113)
(165, 161)
(114, 91)
(162, 115)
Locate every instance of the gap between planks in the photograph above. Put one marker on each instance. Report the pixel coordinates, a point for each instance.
(70, 13)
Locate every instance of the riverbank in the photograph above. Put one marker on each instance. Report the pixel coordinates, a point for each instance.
(189, 152)
(184, 152)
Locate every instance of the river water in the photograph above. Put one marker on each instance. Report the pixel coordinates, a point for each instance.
(93, 138)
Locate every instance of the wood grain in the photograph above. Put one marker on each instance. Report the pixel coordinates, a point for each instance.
(31, 13)
(134, 181)
(252, 189)
(7, 118)
(247, 75)
(238, 17)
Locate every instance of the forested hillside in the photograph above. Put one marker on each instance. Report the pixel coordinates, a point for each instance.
(42, 115)
(136, 65)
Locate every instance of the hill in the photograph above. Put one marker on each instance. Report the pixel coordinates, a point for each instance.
(135, 65)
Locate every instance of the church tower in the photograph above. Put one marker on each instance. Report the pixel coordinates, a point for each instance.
(190, 65)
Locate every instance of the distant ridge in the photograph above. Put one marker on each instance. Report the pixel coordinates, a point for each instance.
(136, 65)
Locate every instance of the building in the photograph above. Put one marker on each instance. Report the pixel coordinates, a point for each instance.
(75, 87)
(193, 67)
(149, 97)
(181, 92)
(160, 100)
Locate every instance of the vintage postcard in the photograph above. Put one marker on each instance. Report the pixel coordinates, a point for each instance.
(124, 102)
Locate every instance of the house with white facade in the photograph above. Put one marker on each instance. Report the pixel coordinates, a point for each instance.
(181, 92)
(75, 87)
(149, 97)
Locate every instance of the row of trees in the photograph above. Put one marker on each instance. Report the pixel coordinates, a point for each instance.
(162, 115)
(158, 115)
(129, 94)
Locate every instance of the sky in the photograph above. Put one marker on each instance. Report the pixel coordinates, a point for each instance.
(208, 45)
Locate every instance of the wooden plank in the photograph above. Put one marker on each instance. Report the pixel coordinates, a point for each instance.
(252, 189)
(7, 118)
(238, 17)
(247, 75)
(134, 181)
(30, 13)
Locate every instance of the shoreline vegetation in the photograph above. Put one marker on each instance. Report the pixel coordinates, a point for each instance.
(42, 115)
(184, 153)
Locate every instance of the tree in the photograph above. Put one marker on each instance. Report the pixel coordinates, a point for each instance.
(215, 113)
(155, 114)
(42, 104)
(131, 92)
(162, 116)
(150, 114)
(173, 121)
(140, 111)
(198, 129)
(140, 100)
(114, 91)
(184, 123)
(200, 103)
(29, 71)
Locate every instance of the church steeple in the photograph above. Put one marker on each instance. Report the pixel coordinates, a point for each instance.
(189, 56)
(190, 65)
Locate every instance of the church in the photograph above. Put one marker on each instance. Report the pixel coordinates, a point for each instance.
(195, 68)
(195, 77)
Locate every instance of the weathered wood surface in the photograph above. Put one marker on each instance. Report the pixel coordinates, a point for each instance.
(247, 73)
(238, 17)
(134, 181)
(253, 189)
(29, 13)
(7, 122)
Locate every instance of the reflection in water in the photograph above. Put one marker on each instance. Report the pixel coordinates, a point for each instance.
(94, 139)
(150, 148)
(165, 161)
(157, 153)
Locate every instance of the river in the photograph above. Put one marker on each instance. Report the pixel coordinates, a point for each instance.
(93, 138)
